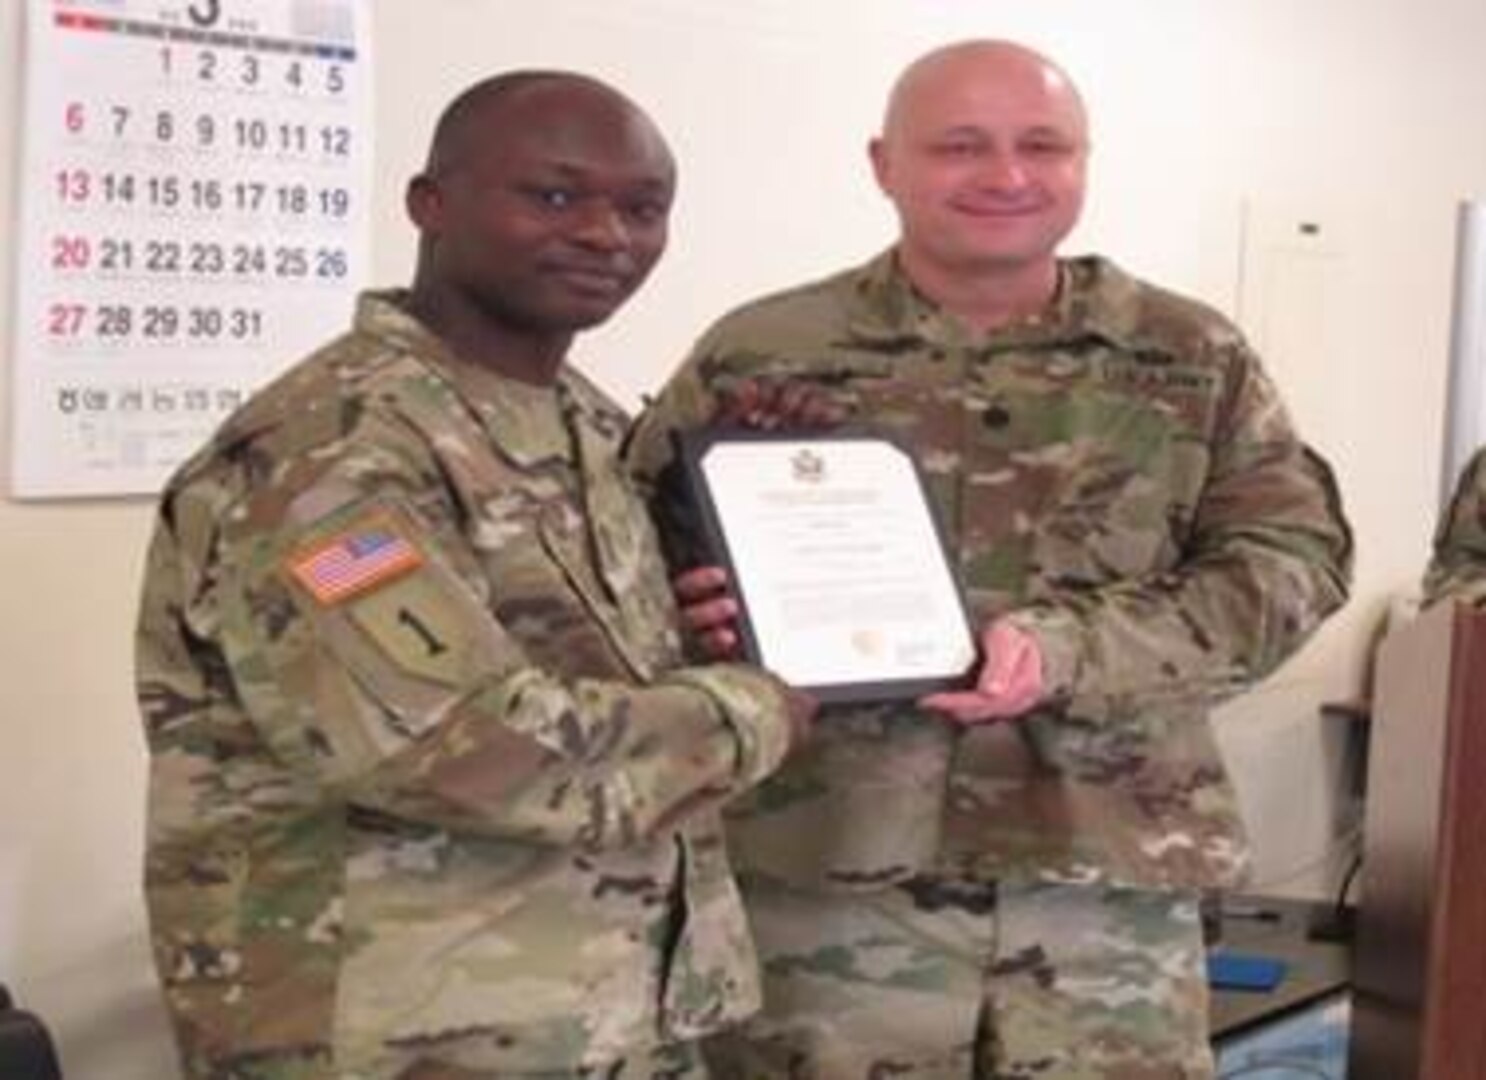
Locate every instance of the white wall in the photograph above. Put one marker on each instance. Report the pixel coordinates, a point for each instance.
(1219, 126)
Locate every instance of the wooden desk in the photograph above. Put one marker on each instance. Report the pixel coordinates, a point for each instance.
(1420, 972)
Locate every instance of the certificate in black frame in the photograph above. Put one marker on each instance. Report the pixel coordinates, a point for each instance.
(807, 451)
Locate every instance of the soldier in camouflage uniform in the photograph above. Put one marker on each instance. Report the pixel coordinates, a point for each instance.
(1002, 881)
(1458, 568)
(431, 797)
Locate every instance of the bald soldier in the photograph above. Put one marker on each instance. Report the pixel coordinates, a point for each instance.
(1002, 880)
(430, 796)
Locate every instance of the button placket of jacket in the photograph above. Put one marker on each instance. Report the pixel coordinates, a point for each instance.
(596, 585)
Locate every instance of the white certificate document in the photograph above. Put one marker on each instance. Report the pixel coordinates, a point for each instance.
(837, 562)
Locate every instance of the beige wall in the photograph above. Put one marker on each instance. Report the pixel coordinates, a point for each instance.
(1219, 126)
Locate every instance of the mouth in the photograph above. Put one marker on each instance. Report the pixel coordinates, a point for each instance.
(589, 280)
(997, 211)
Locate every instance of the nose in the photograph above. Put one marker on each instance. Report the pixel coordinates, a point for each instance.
(600, 226)
(1002, 171)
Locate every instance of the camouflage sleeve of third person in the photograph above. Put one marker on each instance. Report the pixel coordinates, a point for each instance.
(1457, 569)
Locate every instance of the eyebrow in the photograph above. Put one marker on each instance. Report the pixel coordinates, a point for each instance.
(959, 129)
(570, 171)
(1037, 131)
(1053, 129)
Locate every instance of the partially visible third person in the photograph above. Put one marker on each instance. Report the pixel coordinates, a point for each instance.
(1002, 880)
(431, 797)
(1457, 568)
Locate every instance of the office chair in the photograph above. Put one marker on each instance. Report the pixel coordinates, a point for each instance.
(26, 1050)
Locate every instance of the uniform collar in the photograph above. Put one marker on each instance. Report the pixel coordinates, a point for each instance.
(527, 422)
(1095, 299)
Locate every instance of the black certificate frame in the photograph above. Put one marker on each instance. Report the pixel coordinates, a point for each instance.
(694, 448)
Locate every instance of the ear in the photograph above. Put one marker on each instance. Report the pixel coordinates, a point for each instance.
(877, 153)
(424, 201)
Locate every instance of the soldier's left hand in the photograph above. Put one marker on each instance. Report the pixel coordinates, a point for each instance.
(1009, 683)
(709, 613)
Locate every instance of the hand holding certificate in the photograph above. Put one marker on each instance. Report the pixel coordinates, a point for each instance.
(836, 560)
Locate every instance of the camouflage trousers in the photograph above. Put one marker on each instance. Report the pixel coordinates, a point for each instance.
(680, 1061)
(944, 979)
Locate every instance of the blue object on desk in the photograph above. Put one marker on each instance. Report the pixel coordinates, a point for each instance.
(1244, 971)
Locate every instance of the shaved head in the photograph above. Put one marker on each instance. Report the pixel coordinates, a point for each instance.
(1004, 62)
(982, 152)
(495, 106)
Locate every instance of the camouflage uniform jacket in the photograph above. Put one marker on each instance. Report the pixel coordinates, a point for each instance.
(423, 762)
(1458, 568)
(1117, 474)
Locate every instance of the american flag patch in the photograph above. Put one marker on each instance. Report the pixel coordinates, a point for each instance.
(358, 559)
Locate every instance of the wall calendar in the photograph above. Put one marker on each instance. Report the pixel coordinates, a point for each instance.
(195, 177)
